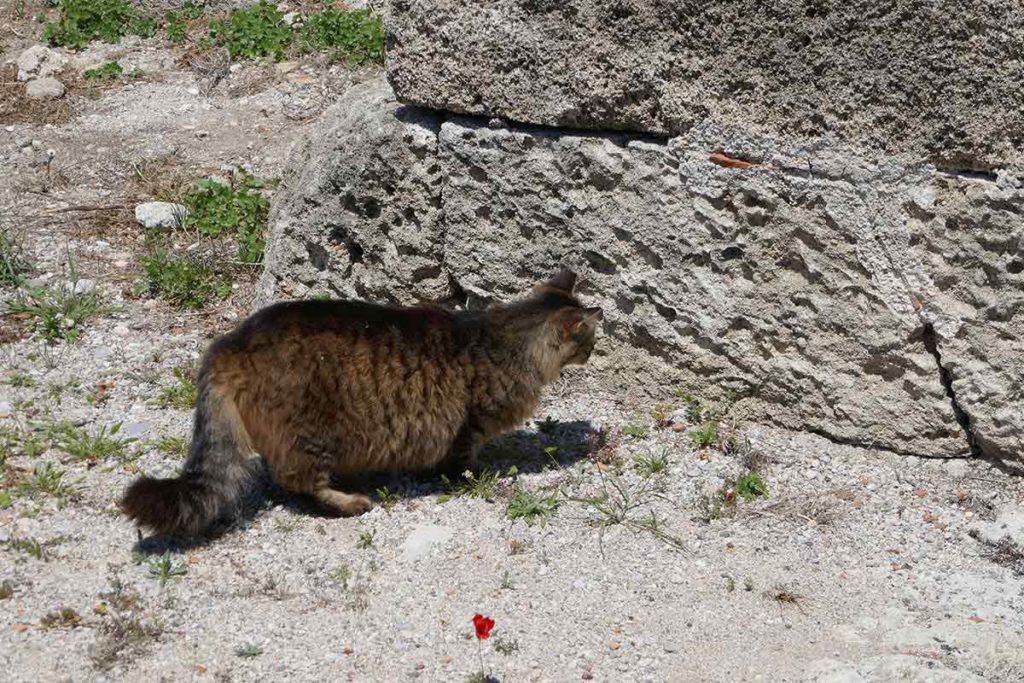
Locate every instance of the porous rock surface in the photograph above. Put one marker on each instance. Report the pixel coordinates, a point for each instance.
(871, 302)
(40, 61)
(937, 80)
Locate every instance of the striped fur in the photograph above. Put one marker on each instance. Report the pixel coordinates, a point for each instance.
(343, 387)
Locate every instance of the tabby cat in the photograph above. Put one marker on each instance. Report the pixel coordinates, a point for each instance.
(346, 387)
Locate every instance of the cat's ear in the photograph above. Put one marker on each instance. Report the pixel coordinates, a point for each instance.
(572, 319)
(564, 280)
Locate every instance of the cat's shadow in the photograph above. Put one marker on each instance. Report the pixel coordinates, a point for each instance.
(552, 445)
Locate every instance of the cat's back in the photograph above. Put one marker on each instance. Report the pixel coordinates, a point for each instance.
(340, 319)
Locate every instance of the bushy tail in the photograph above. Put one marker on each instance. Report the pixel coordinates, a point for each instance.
(217, 474)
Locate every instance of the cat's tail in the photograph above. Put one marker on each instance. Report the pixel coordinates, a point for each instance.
(217, 475)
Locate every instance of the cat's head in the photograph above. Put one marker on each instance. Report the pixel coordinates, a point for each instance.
(572, 327)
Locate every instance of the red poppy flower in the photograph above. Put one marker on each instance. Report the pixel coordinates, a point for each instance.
(483, 626)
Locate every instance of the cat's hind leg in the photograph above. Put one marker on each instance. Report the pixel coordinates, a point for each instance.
(341, 503)
(313, 482)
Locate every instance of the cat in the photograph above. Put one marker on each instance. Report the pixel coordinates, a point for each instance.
(322, 387)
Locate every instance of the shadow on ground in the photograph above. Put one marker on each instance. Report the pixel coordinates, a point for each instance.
(552, 444)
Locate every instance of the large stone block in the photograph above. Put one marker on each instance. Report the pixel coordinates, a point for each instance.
(874, 303)
(936, 80)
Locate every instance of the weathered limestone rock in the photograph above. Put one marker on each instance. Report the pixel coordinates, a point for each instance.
(44, 89)
(369, 180)
(160, 215)
(40, 61)
(936, 80)
(823, 291)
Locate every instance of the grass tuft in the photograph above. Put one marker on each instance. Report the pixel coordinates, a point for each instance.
(164, 568)
(182, 395)
(185, 282)
(483, 485)
(13, 261)
(47, 480)
(751, 485)
(531, 506)
(56, 313)
(388, 499)
(81, 445)
(651, 464)
(173, 446)
(108, 72)
(706, 435)
(365, 541)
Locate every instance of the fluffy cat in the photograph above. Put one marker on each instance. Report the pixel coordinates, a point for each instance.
(344, 387)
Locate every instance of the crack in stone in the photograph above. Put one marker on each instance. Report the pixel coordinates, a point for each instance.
(931, 345)
(861, 443)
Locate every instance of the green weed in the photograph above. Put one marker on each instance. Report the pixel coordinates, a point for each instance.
(723, 501)
(249, 650)
(15, 441)
(482, 485)
(173, 446)
(552, 455)
(240, 209)
(57, 313)
(356, 36)
(176, 23)
(531, 506)
(164, 568)
(183, 281)
(81, 445)
(107, 72)
(706, 435)
(620, 502)
(694, 410)
(388, 499)
(254, 32)
(29, 546)
(750, 486)
(121, 636)
(506, 646)
(192, 10)
(13, 261)
(342, 574)
(285, 525)
(20, 379)
(365, 541)
(82, 21)
(176, 27)
(652, 464)
(635, 431)
(49, 481)
(182, 395)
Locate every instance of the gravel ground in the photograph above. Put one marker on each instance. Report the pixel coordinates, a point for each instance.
(649, 565)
